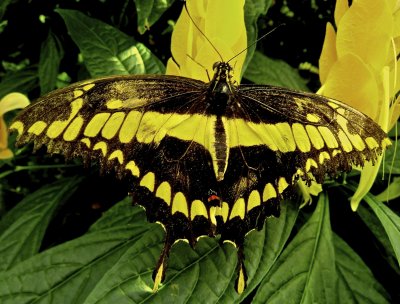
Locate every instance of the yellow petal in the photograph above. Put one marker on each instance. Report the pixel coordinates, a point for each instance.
(367, 179)
(6, 153)
(222, 22)
(328, 55)
(352, 81)
(3, 134)
(341, 7)
(365, 30)
(394, 113)
(370, 172)
(13, 101)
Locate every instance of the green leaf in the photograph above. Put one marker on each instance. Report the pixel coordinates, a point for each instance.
(305, 272)
(391, 192)
(21, 81)
(262, 248)
(68, 273)
(252, 11)
(264, 70)
(3, 7)
(391, 161)
(22, 229)
(389, 220)
(51, 53)
(149, 11)
(106, 50)
(209, 270)
(356, 282)
(375, 226)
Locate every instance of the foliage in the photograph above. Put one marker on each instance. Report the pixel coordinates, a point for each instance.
(69, 239)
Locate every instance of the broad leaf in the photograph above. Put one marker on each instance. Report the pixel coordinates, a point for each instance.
(51, 53)
(3, 7)
(252, 11)
(391, 192)
(264, 70)
(68, 273)
(391, 161)
(23, 228)
(149, 11)
(305, 272)
(389, 220)
(21, 81)
(375, 226)
(262, 248)
(106, 50)
(356, 282)
(208, 272)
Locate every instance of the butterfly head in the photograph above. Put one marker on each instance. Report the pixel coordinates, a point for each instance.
(222, 71)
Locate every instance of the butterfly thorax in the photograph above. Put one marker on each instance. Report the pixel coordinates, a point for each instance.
(220, 96)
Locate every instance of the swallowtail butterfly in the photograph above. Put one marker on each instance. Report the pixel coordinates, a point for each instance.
(204, 158)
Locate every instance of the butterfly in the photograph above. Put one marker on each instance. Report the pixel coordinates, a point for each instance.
(203, 159)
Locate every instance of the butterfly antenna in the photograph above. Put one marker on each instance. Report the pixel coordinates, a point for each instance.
(255, 42)
(204, 35)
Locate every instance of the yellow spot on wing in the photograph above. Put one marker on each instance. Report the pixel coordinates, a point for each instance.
(243, 133)
(241, 281)
(37, 128)
(159, 276)
(73, 129)
(118, 155)
(101, 145)
(336, 152)
(322, 156)
(269, 192)
(198, 208)
(385, 143)
(112, 125)
(311, 163)
(355, 139)
(86, 141)
(328, 137)
(301, 137)
(114, 104)
(238, 209)
(58, 126)
(344, 140)
(179, 204)
(282, 184)
(213, 214)
(196, 127)
(88, 86)
(78, 93)
(371, 143)
(148, 181)
(254, 200)
(313, 118)
(164, 192)
(222, 211)
(130, 126)
(333, 105)
(286, 139)
(18, 126)
(315, 137)
(131, 165)
(95, 124)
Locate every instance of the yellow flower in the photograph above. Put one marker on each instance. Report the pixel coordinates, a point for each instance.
(9, 102)
(358, 66)
(222, 23)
